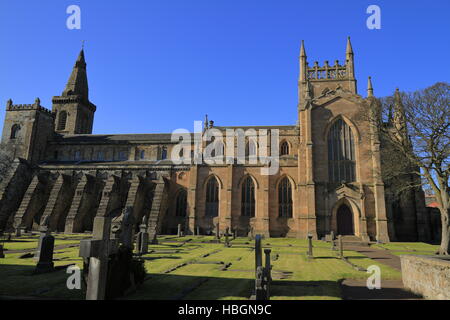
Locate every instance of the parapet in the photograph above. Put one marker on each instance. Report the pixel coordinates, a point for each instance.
(24, 107)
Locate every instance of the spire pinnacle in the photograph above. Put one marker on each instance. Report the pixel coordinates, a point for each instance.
(302, 50)
(78, 83)
(349, 50)
(369, 87)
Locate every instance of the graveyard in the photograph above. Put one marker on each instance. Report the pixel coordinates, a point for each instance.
(206, 268)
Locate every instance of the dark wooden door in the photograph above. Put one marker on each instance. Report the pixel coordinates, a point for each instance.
(345, 221)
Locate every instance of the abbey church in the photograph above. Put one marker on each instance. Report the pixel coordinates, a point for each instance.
(329, 177)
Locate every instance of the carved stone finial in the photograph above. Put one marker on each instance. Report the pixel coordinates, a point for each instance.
(37, 102)
(9, 103)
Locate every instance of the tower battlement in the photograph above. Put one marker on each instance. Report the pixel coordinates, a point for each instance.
(25, 107)
(326, 72)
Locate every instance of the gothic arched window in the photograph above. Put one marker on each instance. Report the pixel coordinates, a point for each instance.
(284, 149)
(181, 204)
(285, 198)
(248, 198)
(251, 148)
(15, 131)
(341, 153)
(164, 153)
(212, 198)
(62, 120)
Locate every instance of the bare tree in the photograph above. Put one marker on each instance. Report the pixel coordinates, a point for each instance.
(5, 161)
(419, 130)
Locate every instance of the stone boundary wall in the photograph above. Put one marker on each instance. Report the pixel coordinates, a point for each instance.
(428, 276)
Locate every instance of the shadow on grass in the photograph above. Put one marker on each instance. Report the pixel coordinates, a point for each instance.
(19, 282)
(184, 287)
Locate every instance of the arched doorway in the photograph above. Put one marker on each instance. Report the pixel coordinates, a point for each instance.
(345, 221)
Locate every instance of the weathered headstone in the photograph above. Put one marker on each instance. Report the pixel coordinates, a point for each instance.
(333, 245)
(341, 247)
(227, 239)
(250, 233)
(198, 231)
(45, 259)
(179, 230)
(97, 251)
(217, 232)
(310, 246)
(107, 261)
(268, 272)
(258, 251)
(262, 274)
(43, 232)
(142, 238)
(260, 293)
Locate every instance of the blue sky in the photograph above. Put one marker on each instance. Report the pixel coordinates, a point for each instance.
(155, 66)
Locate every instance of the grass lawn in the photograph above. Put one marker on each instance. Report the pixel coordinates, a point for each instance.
(196, 268)
(419, 248)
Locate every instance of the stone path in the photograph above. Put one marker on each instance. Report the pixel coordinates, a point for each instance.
(390, 289)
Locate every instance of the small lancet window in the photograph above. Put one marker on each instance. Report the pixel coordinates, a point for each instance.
(15, 131)
(284, 149)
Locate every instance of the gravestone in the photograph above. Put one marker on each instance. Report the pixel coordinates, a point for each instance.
(341, 247)
(262, 274)
(96, 253)
(2, 254)
(179, 230)
(259, 284)
(198, 231)
(258, 251)
(45, 259)
(142, 237)
(310, 246)
(227, 239)
(250, 233)
(268, 272)
(217, 232)
(43, 232)
(333, 245)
